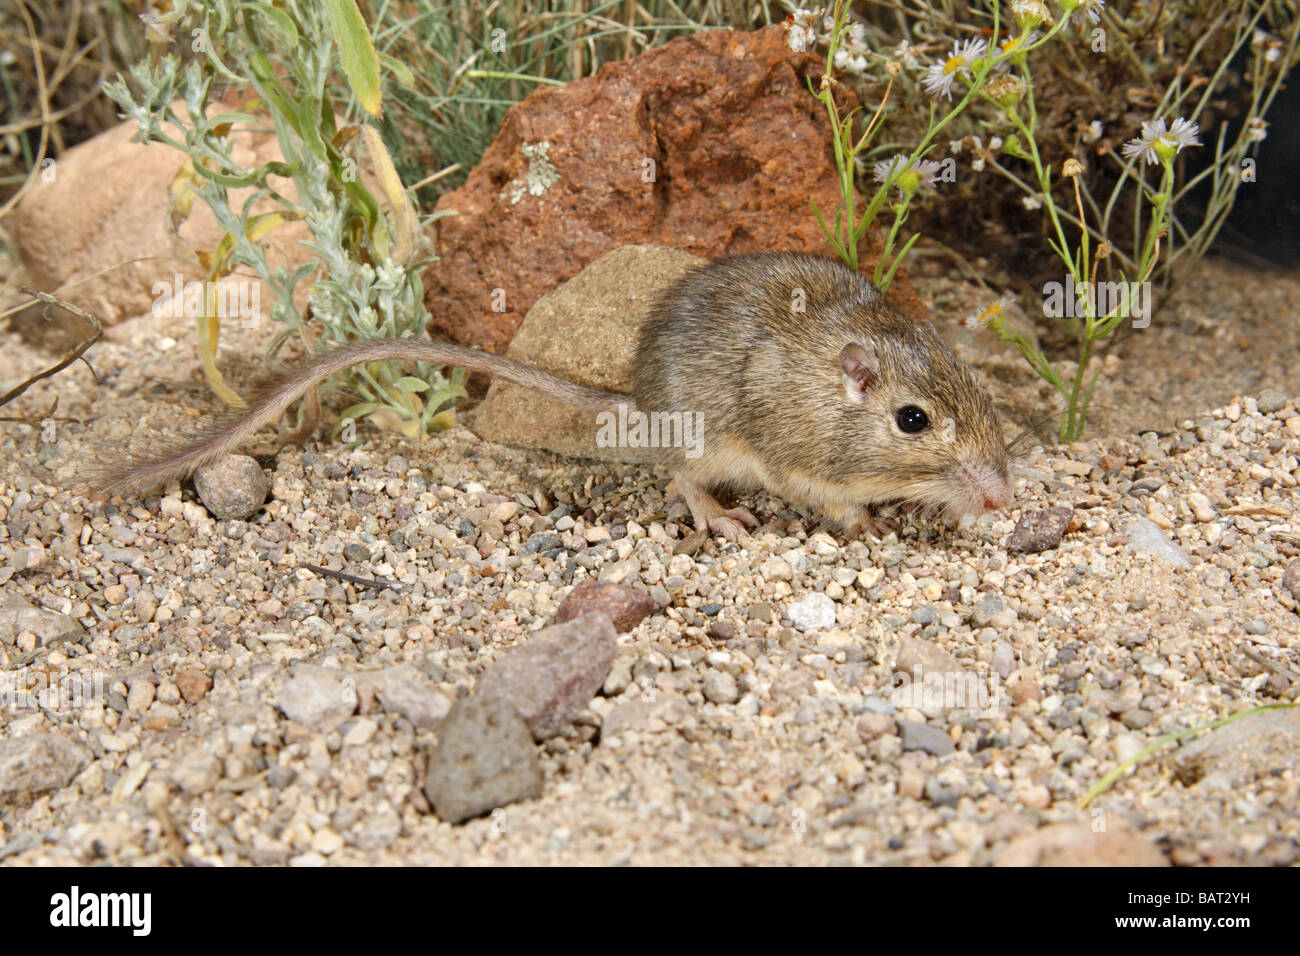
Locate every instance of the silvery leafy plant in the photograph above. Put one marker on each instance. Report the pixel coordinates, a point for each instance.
(278, 62)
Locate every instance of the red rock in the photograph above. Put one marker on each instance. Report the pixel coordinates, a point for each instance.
(710, 143)
(623, 605)
(1041, 530)
(193, 685)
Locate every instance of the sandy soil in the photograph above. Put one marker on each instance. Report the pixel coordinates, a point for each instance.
(734, 727)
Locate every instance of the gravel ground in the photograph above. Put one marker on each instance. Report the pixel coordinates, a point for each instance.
(243, 708)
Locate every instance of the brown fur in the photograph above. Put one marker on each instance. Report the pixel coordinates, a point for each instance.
(176, 459)
(727, 341)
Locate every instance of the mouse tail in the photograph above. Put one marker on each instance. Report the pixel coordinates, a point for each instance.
(178, 457)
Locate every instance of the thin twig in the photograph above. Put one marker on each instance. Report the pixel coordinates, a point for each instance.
(377, 583)
(68, 359)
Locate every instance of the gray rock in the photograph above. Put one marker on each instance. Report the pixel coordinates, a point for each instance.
(541, 542)
(408, 691)
(1233, 757)
(317, 697)
(1145, 537)
(1122, 699)
(1137, 719)
(197, 772)
(379, 830)
(924, 737)
(940, 795)
(1004, 659)
(280, 777)
(233, 487)
(19, 844)
(816, 611)
(1270, 400)
(990, 609)
(552, 676)
(629, 716)
(1291, 578)
(484, 759)
(878, 705)
(919, 657)
(720, 687)
(17, 615)
(37, 764)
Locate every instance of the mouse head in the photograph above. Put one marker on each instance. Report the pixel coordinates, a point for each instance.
(920, 427)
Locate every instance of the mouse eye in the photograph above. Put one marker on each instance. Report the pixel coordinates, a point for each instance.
(911, 419)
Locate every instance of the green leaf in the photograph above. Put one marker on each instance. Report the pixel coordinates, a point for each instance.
(399, 69)
(444, 396)
(830, 237)
(409, 383)
(898, 260)
(280, 22)
(356, 53)
(360, 410)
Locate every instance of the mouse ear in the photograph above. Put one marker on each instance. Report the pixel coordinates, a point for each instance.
(860, 370)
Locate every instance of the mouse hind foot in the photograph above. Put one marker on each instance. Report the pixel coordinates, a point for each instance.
(859, 521)
(709, 515)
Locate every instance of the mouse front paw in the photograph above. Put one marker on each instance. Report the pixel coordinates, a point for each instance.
(731, 524)
(729, 528)
(710, 517)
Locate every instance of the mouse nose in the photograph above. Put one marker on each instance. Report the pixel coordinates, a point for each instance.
(989, 485)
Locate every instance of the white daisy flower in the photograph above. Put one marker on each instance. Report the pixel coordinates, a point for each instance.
(1093, 132)
(801, 30)
(1088, 9)
(940, 77)
(1017, 43)
(904, 54)
(1158, 144)
(926, 170)
(1030, 11)
(847, 61)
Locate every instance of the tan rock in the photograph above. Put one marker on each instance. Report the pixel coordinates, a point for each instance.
(105, 205)
(584, 331)
(1078, 844)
